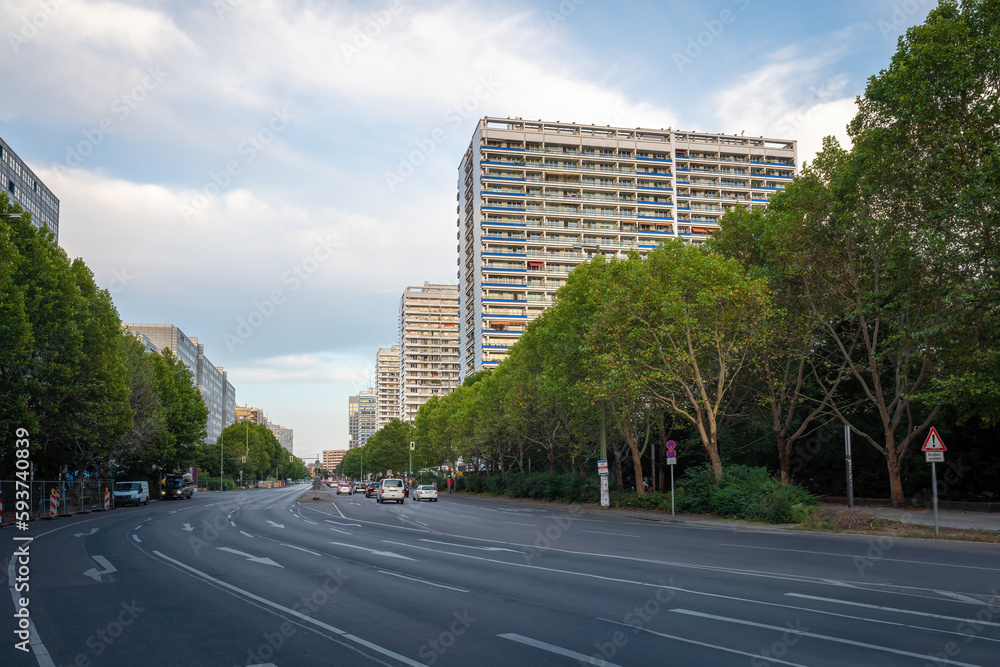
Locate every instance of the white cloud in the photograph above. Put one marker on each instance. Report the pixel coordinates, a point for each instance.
(326, 367)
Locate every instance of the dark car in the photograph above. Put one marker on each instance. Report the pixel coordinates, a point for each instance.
(371, 489)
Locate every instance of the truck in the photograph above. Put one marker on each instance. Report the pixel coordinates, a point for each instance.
(178, 485)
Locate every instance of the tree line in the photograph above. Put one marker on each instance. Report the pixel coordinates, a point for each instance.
(865, 296)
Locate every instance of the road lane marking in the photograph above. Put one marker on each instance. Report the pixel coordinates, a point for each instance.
(92, 531)
(95, 574)
(297, 614)
(308, 521)
(136, 538)
(337, 530)
(251, 557)
(390, 554)
(604, 532)
(308, 551)
(246, 533)
(469, 546)
(518, 523)
(891, 609)
(41, 653)
(423, 581)
(815, 635)
(343, 525)
(831, 553)
(558, 650)
(698, 643)
(188, 527)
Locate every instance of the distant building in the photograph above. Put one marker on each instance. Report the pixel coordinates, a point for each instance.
(353, 435)
(367, 415)
(536, 199)
(332, 458)
(23, 187)
(284, 435)
(248, 414)
(387, 385)
(429, 345)
(216, 391)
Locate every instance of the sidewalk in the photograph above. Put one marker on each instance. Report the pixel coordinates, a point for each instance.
(946, 518)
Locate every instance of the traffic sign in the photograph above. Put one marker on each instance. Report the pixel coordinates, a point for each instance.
(671, 445)
(934, 457)
(672, 461)
(602, 467)
(671, 454)
(933, 443)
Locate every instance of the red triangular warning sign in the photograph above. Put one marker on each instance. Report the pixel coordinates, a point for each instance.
(933, 443)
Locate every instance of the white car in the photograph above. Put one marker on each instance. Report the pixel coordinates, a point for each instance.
(425, 492)
(344, 487)
(390, 489)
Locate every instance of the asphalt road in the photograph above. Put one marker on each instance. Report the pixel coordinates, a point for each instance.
(258, 578)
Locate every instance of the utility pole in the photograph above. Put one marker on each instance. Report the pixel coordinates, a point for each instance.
(605, 497)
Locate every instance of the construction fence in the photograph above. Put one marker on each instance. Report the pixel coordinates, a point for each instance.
(51, 499)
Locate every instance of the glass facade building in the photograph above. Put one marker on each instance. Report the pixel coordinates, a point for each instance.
(23, 187)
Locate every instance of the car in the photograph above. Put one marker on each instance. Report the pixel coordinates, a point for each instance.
(425, 492)
(390, 489)
(371, 489)
(178, 485)
(344, 487)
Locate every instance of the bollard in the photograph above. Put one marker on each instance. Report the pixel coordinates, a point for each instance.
(107, 499)
(53, 504)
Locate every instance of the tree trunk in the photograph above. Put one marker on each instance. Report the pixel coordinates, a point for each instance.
(783, 456)
(896, 482)
(714, 459)
(552, 459)
(618, 471)
(640, 485)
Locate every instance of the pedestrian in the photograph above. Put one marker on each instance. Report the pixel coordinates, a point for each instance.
(449, 485)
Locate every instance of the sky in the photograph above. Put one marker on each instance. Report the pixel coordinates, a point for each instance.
(269, 175)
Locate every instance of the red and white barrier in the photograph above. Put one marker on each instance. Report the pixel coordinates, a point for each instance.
(54, 504)
(107, 498)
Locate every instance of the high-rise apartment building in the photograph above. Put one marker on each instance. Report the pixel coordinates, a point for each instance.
(387, 384)
(538, 198)
(23, 187)
(284, 435)
(332, 458)
(212, 381)
(353, 435)
(367, 415)
(429, 346)
(245, 413)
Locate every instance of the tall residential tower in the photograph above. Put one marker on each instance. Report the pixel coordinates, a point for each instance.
(429, 346)
(537, 198)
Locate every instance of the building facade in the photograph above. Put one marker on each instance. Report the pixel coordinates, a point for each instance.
(387, 385)
(429, 345)
(367, 415)
(284, 435)
(332, 458)
(538, 198)
(247, 414)
(353, 435)
(212, 381)
(23, 187)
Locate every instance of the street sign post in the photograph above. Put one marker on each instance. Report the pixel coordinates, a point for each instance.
(602, 467)
(671, 461)
(605, 495)
(934, 450)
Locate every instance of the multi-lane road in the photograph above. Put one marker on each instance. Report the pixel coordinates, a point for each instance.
(259, 578)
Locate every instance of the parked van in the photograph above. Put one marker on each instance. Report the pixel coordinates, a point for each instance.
(178, 485)
(131, 493)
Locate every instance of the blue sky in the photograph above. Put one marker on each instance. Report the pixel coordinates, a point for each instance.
(293, 164)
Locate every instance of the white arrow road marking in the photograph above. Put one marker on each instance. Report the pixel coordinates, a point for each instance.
(188, 527)
(256, 559)
(92, 531)
(373, 551)
(279, 525)
(95, 574)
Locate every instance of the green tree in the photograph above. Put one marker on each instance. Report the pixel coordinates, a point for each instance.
(184, 413)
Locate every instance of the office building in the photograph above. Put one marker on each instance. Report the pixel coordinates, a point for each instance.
(387, 385)
(212, 381)
(429, 345)
(23, 187)
(367, 415)
(284, 435)
(353, 439)
(538, 198)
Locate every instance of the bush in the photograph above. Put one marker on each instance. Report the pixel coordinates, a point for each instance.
(567, 487)
(744, 493)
